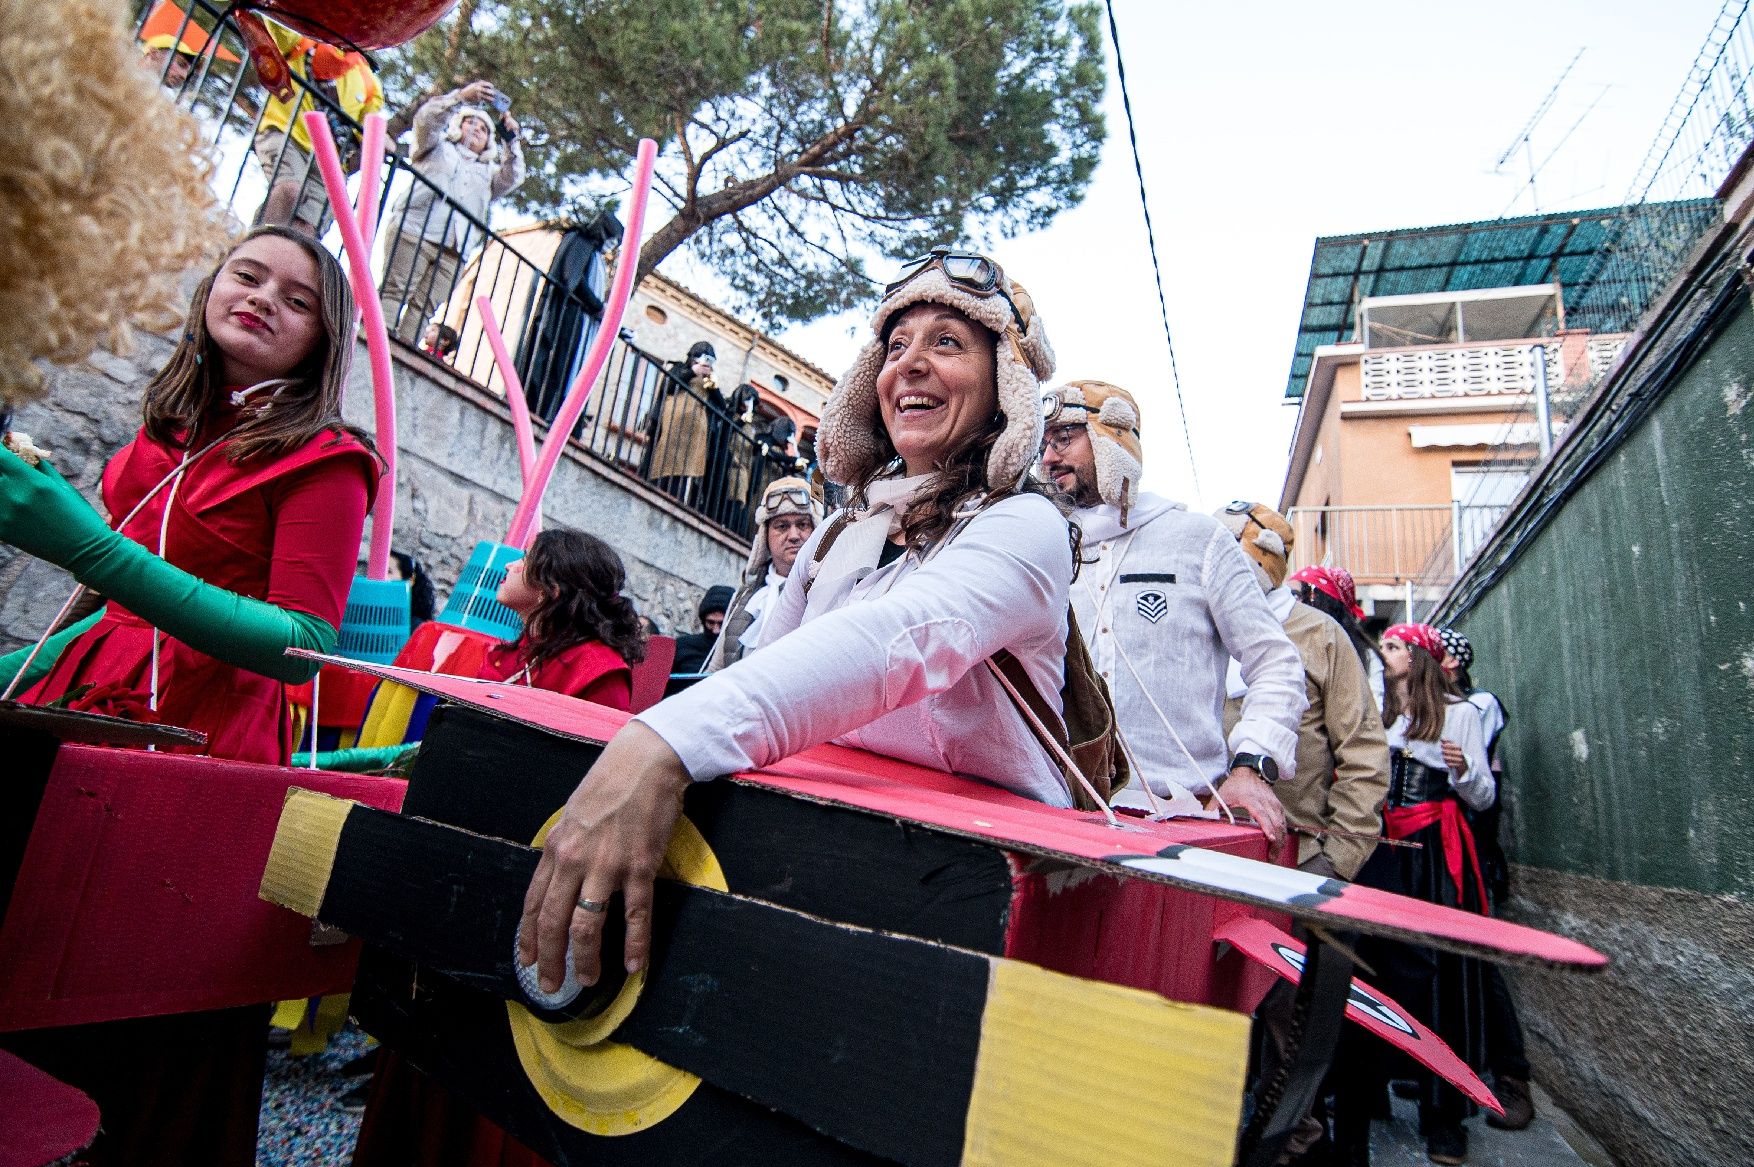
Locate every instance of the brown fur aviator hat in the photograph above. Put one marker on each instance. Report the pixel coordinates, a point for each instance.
(850, 438)
(1265, 537)
(1112, 417)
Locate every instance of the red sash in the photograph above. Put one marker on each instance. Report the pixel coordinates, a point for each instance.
(1458, 839)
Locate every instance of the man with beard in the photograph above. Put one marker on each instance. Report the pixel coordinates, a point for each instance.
(1165, 599)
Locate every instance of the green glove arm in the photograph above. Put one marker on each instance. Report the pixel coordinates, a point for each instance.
(238, 630)
(52, 648)
(357, 760)
(41, 513)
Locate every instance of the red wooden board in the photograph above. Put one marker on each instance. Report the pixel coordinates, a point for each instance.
(1369, 1007)
(137, 892)
(1177, 852)
(42, 1119)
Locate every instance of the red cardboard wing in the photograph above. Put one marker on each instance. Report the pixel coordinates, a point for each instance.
(1169, 852)
(1372, 1009)
(137, 892)
(42, 1119)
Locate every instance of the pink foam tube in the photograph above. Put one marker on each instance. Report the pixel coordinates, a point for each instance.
(371, 155)
(371, 165)
(377, 340)
(514, 390)
(560, 433)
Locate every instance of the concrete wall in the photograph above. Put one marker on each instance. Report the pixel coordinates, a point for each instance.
(458, 483)
(1621, 638)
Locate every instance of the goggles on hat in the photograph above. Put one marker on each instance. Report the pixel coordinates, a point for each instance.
(796, 495)
(968, 271)
(1053, 405)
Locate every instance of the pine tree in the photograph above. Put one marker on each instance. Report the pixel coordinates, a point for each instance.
(800, 139)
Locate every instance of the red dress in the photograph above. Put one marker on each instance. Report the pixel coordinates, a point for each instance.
(591, 672)
(410, 1120)
(186, 1088)
(281, 529)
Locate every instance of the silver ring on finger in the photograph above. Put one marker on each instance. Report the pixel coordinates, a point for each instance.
(595, 907)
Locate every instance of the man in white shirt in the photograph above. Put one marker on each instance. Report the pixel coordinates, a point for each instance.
(1165, 599)
(789, 511)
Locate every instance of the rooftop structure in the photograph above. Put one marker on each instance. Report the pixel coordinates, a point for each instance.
(1567, 248)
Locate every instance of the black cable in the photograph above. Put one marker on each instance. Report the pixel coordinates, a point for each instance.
(1114, 35)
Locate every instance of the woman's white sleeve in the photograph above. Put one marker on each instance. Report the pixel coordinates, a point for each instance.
(1475, 786)
(1002, 582)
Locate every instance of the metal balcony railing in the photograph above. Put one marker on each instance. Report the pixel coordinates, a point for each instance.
(1392, 544)
(547, 325)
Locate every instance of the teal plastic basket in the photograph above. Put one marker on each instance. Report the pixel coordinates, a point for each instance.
(375, 625)
(472, 603)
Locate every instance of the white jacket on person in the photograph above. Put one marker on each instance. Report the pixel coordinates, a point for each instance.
(889, 659)
(1168, 601)
(470, 180)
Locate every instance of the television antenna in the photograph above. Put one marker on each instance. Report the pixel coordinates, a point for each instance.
(1524, 141)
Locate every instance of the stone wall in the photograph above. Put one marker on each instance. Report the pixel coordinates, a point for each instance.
(457, 484)
(1654, 1056)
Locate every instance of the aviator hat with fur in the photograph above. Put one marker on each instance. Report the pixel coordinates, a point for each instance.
(1112, 417)
(850, 439)
(1265, 537)
(780, 498)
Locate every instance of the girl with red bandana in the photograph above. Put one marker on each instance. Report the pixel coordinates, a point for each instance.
(1438, 766)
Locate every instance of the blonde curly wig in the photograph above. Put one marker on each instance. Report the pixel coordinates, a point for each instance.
(104, 201)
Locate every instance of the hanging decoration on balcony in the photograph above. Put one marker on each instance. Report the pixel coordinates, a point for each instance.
(355, 24)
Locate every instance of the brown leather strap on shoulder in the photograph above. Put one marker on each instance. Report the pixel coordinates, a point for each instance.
(1044, 713)
(841, 522)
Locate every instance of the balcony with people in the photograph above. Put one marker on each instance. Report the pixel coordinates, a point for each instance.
(437, 256)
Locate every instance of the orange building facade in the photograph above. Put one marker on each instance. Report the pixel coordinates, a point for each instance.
(1418, 380)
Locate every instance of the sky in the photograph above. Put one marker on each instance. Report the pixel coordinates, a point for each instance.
(1263, 126)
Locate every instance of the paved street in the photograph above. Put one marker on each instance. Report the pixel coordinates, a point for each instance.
(1398, 1144)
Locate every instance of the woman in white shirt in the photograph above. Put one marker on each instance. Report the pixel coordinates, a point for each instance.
(946, 554)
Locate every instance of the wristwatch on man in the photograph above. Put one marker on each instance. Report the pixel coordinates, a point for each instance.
(1261, 764)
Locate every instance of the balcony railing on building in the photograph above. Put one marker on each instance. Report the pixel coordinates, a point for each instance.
(548, 324)
(1392, 545)
(1509, 369)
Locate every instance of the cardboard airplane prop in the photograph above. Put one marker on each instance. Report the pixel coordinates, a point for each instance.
(857, 960)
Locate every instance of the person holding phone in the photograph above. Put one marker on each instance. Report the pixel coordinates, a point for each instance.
(459, 169)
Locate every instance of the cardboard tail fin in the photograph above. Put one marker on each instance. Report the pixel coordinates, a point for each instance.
(1278, 951)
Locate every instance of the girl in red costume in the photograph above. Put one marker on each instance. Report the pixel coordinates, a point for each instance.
(239, 507)
(580, 635)
(238, 510)
(580, 632)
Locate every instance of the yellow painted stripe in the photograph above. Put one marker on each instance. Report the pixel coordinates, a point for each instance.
(387, 718)
(1074, 1072)
(303, 854)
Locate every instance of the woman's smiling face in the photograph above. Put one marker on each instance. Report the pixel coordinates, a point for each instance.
(937, 385)
(264, 312)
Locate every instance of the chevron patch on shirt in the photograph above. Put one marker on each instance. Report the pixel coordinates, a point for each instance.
(1153, 606)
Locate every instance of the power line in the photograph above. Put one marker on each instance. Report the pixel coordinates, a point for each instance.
(1151, 239)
